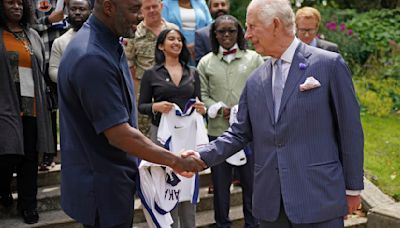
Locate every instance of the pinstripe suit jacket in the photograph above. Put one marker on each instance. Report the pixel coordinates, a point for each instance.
(313, 153)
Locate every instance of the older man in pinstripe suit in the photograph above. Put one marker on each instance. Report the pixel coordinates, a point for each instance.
(300, 111)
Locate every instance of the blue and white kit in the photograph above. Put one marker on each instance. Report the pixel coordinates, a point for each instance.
(160, 188)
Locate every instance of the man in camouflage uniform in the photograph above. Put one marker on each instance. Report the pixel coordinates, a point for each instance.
(140, 50)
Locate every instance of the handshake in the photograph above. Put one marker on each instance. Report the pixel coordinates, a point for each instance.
(188, 163)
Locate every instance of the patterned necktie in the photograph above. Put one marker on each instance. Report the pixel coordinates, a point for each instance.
(277, 89)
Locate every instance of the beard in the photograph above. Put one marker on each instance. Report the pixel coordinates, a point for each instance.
(76, 25)
(219, 13)
(123, 27)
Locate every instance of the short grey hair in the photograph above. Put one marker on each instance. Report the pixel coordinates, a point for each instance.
(268, 9)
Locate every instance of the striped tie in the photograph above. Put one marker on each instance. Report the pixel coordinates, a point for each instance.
(277, 89)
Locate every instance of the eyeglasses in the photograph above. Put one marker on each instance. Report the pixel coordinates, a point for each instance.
(224, 31)
(309, 31)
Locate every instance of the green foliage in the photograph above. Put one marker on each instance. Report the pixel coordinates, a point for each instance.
(238, 9)
(381, 152)
(377, 27)
(360, 35)
(333, 28)
(359, 5)
(373, 102)
(351, 47)
(378, 83)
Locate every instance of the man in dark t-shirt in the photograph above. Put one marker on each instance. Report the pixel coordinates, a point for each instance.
(99, 139)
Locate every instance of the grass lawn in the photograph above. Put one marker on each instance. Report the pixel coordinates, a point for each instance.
(382, 152)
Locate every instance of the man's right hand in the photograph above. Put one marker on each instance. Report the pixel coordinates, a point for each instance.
(188, 164)
(226, 113)
(56, 16)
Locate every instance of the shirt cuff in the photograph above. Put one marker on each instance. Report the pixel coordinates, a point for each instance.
(213, 109)
(353, 192)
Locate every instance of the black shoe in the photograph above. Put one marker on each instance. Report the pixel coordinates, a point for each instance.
(6, 200)
(30, 216)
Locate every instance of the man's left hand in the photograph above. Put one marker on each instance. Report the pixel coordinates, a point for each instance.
(353, 203)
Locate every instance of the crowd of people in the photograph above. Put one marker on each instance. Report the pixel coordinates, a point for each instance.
(282, 119)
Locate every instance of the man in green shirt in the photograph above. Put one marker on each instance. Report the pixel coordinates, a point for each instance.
(223, 74)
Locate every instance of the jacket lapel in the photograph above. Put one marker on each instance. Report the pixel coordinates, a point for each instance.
(266, 81)
(295, 74)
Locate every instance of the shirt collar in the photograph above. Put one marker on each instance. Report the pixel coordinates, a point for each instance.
(313, 42)
(288, 55)
(221, 49)
(162, 66)
(108, 37)
(230, 57)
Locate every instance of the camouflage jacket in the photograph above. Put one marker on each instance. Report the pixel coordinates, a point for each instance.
(140, 50)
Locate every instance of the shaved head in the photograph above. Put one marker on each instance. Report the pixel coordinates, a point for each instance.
(120, 16)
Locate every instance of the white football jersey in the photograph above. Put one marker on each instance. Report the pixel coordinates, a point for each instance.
(184, 130)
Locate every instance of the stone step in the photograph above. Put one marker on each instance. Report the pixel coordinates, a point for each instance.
(47, 219)
(204, 219)
(45, 178)
(58, 219)
(49, 199)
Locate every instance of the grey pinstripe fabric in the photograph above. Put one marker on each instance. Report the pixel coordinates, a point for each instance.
(313, 153)
(278, 87)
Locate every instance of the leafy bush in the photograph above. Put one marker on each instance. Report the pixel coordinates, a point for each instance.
(377, 27)
(378, 83)
(372, 102)
(238, 9)
(351, 47)
(360, 35)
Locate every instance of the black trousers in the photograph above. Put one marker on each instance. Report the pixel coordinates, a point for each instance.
(222, 175)
(25, 166)
(53, 87)
(8, 165)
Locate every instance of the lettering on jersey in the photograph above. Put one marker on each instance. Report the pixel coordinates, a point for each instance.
(172, 179)
(172, 194)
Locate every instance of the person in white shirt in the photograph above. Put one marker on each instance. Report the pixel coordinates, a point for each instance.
(78, 13)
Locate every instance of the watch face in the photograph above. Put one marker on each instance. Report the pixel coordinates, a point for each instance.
(44, 6)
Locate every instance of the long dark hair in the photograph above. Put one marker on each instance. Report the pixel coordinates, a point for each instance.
(160, 57)
(27, 14)
(240, 34)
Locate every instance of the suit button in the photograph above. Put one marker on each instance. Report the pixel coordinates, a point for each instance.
(279, 144)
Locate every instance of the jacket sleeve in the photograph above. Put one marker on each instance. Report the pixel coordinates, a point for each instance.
(349, 130)
(146, 94)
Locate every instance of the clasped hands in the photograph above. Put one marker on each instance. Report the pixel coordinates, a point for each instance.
(188, 163)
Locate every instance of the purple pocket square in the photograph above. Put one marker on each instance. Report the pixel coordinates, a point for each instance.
(310, 83)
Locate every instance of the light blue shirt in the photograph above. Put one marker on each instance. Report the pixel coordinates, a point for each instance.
(313, 42)
(172, 14)
(287, 58)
